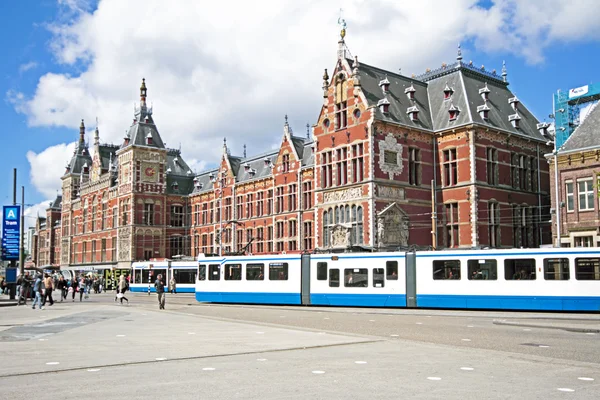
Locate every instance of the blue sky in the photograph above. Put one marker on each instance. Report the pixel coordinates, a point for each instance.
(66, 60)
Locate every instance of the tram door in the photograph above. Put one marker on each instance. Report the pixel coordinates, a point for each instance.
(305, 279)
(411, 280)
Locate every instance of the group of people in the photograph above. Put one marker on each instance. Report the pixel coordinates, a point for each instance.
(41, 286)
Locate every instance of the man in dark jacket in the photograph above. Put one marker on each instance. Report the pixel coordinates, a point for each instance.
(25, 283)
(159, 284)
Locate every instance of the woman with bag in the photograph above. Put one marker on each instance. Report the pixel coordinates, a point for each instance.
(122, 288)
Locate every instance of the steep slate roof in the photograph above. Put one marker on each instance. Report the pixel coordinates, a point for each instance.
(57, 203)
(587, 135)
(105, 152)
(465, 80)
(80, 157)
(308, 154)
(399, 102)
(139, 131)
(256, 167)
(178, 172)
(298, 143)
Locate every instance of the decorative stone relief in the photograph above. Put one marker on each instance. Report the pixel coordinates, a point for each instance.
(342, 195)
(64, 251)
(390, 192)
(392, 227)
(340, 236)
(124, 244)
(389, 146)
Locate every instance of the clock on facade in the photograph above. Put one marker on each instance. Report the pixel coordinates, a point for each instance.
(150, 171)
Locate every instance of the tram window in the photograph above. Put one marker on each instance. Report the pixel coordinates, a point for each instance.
(233, 272)
(184, 275)
(321, 271)
(150, 275)
(201, 272)
(214, 272)
(278, 271)
(378, 280)
(556, 269)
(519, 270)
(137, 274)
(391, 270)
(334, 277)
(587, 269)
(446, 269)
(255, 272)
(356, 277)
(482, 270)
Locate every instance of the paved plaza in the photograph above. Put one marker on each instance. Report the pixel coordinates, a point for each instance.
(99, 349)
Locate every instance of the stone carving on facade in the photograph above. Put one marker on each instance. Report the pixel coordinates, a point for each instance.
(342, 195)
(340, 236)
(392, 227)
(124, 244)
(65, 251)
(390, 192)
(391, 145)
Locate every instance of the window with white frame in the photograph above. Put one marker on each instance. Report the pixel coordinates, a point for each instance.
(570, 196)
(585, 189)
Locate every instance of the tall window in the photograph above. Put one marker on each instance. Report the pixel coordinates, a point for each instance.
(176, 216)
(341, 89)
(228, 208)
(520, 222)
(356, 235)
(148, 214)
(286, 162)
(494, 224)
(452, 238)
(357, 163)
(492, 166)
(259, 203)
(308, 235)
(176, 245)
(534, 174)
(327, 222)
(83, 253)
(94, 214)
(327, 169)
(115, 214)
(270, 239)
(450, 168)
(585, 189)
(94, 256)
(260, 240)
(414, 166)
(514, 170)
(292, 197)
(85, 213)
(523, 172)
(570, 196)
(250, 206)
(279, 233)
(307, 195)
(269, 202)
(196, 245)
(279, 200)
(342, 166)
(341, 115)
(240, 206)
(104, 216)
(125, 212)
(103, 250)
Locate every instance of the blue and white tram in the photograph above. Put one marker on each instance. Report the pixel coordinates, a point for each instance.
(249, 279)
(145, 273)
(512, 279)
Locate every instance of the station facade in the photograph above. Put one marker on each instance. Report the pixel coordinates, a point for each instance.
(447, 159)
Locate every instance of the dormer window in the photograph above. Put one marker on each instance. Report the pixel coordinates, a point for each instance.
(252, 171)
(169, 170)
(246, 167)
(543, 128)
(384, 85)
(514, 102)
(85, 168)
(211, 176)
(448, 91)
(149, 139)
(514, 120)
(453, 112)
(484, 92)
(483, 111)
(384, 105)
(410, 92)
(413, 113)
(175, 186)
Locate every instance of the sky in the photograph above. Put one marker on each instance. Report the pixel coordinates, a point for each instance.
(234, 69)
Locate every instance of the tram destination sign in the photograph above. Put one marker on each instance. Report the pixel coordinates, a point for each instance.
(11, 232)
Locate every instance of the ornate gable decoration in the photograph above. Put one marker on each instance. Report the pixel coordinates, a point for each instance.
(392, 226)
(390, 156)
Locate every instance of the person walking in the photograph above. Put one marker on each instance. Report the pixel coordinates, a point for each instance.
(25, 283)
(82, 288)
(49, 287)
(37, 289)
(62, 286)
(122, 288)
(159, 284)
(74, 285)
(173, 285)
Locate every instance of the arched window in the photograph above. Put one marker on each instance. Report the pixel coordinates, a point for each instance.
(325, 230)
(357, 225)
(338, 215)
(347, 219)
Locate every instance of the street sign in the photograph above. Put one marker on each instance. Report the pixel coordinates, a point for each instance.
(11, 232)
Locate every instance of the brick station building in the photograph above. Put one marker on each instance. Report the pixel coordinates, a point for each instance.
(386, 150)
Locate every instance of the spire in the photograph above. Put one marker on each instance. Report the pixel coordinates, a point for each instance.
(341, 45)
(286, 127)
(459, 54)
(307, 131)
(143, 92)
(224, 146)
(96, 134)
(244, 150)
(82, 134)
(504, 73)
(325, 83)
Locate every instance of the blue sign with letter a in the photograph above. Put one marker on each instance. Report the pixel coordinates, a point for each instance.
(11, 232)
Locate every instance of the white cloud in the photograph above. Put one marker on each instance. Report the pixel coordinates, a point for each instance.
(27, 66)
(31, 213)
(215, 70)
(48, 166)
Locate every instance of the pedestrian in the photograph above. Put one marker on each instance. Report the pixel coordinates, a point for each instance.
(100, 284)
(74, 285)
(62, 286)
(49, 287)
(25, 283)
(2, 286)
(82, 288)
(37, 289)
(122, 288)
(173, 285)
(159, 284)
